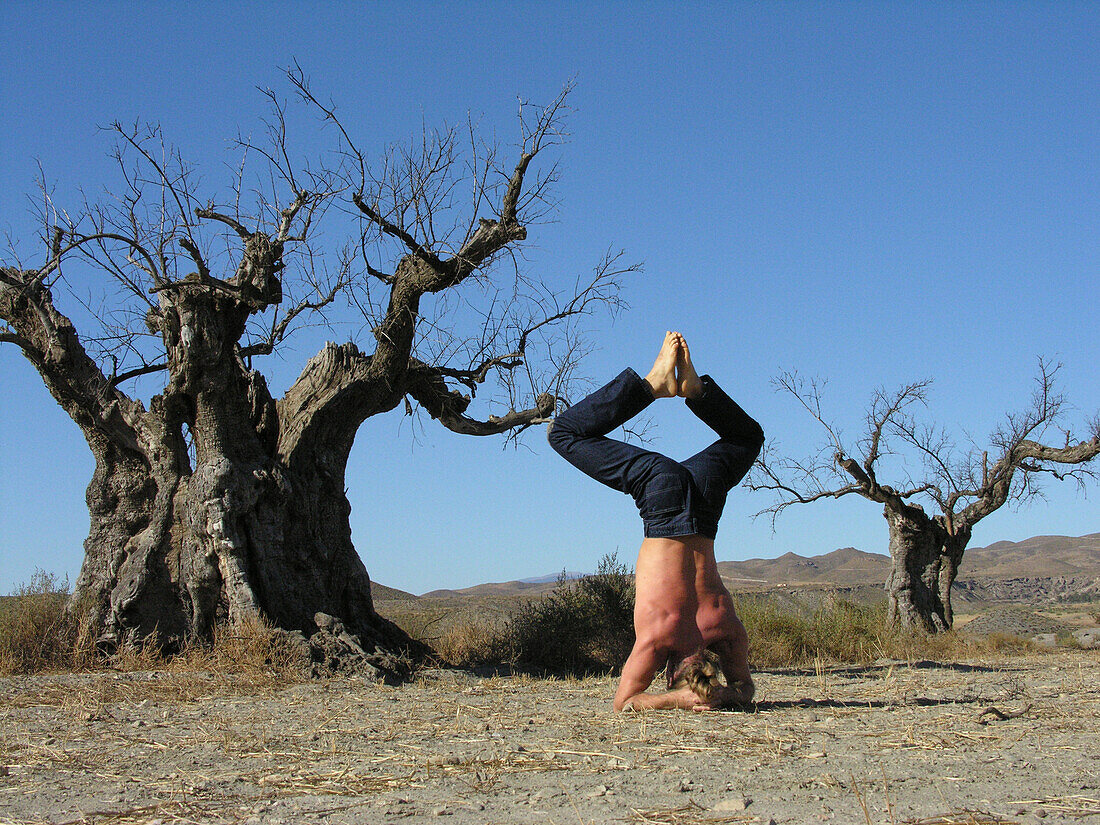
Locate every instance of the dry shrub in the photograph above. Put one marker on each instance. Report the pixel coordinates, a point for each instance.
(36, 631)
(582, 627)
(474, 643)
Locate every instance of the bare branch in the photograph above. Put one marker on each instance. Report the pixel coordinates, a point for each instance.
(134, 373)
(234, 224)
(967, 478)
(448, 406)
(418, 249)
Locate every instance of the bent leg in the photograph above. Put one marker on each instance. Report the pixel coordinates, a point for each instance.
(722, 465)
(579, 435)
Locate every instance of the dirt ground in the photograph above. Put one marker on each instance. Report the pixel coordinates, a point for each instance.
(892, 743)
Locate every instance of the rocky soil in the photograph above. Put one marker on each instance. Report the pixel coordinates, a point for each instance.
(1010, 740)
(1033, 590)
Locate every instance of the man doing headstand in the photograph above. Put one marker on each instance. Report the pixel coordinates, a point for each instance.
(681, 607)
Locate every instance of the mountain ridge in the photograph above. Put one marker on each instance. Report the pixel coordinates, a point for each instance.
(1035, 557)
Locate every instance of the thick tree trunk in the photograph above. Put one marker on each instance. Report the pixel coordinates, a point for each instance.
(181, 543)
(173, 554)
(925, 557)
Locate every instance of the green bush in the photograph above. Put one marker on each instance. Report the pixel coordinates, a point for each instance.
(583, 626)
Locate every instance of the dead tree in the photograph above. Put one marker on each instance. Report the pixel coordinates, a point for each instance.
(215, 500)
(963, 486)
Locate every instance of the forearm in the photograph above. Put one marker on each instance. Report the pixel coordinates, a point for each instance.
(682, 699)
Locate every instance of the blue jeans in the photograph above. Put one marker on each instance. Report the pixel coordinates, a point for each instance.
(674, 498)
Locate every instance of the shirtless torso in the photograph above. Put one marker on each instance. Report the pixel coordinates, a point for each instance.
(682, 607)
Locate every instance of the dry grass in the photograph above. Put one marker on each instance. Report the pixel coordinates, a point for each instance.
(475, 643)
(962, 818)
(690, 814)
(36, 631)
(582, 627)
(446, 739)
(40, 634)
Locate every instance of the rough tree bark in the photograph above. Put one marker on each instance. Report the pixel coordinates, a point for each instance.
(926, 550)
(217, 501)
(925, 562)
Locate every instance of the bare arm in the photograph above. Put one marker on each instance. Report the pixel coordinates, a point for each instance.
(733, 655)
(682, 699)
(638, 673)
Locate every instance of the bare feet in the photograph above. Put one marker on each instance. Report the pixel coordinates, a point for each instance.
(662, 378)
(688, 383)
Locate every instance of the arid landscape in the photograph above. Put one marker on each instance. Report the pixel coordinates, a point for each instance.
(995, 741)
(1042, 586)
(997, 738)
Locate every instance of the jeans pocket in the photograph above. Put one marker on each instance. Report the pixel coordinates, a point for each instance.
(663, 497)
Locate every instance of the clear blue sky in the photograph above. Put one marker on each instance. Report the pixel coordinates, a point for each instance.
(870, 192)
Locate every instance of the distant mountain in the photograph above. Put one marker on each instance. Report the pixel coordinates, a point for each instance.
(569, 575)
(845, 567)
(1034, 558)
(535, 586)
(379, 592)
(514, 588)
(1038, 557)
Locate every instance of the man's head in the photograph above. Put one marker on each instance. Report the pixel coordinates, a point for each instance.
(699, 672)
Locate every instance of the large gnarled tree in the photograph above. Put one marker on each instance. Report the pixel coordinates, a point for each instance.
(963, 486)
(214, 500)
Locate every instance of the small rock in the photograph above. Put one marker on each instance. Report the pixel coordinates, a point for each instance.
(599, 790)
(1088, 637)
(733, 803)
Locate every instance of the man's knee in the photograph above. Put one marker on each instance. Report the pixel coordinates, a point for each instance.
(560, 435)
